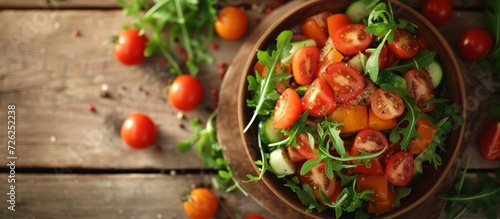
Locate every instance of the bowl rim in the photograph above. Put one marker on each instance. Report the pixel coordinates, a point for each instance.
(241, 103)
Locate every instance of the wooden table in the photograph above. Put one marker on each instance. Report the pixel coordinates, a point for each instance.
(72, 163)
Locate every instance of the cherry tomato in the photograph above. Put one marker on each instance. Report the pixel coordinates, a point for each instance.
(138, 131)
(231, 23)
(338, 189)
(376, 168)
(405, 45)
(386, 105)
(474, 43)
(319, 98)
(130, 46)
(254, 216)
(336, 21)
(369, 140)
(305, 151)
(200, 204)
(489, 142)
(318, 180)
(185, 93)
(287, 109)
(345, 81)
(352, 39)
(311, 29)
(437, 11)
(419, 84)
(399, 168)
(383, 195)
(305, 64)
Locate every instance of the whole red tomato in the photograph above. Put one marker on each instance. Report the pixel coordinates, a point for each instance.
(138, 131)
(130, 46)
(201, 203)
(185, 93)
(437, 11)
(254, 216)
(231, 23)
(475, 43)
(489, 142)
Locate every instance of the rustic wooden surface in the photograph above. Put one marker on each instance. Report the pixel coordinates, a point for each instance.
(73, 164)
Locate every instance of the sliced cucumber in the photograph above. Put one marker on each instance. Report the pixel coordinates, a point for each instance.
(436, 72)
(358, 62)
(268, 133)
(281, 164)
(295, 47)
(357, 11)
(387, 77)
(418, 169)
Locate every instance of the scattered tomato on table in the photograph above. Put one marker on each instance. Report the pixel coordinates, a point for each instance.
(475, 43)
(138, 131)
(231, 23)
(489, 141)
(437, 11)
(130, 46)
(201, 203)
(254, 216)
(185, 93)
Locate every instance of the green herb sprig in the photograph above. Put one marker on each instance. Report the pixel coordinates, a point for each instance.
(190, 24)
(465, 197)
(205, 140)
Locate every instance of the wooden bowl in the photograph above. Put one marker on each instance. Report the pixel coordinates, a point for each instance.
(241, 149)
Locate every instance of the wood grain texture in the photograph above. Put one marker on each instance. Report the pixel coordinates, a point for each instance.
(51, 76)
(140, 196)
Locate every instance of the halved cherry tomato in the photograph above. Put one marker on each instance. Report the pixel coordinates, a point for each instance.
(489, 142)
(305, 150)
(427, 131)
(352, 39)
(399, 168)
(386, 105)
(318, 180)
(338, 189)
(335, 22)
(305, 64)
(345, 81)
(475, 43)
(405, 45)
(287, 110)
(319, 98)
(376, 168)
(422, 42)
(383, 195)
(311, 29)
(370, 141)
(419, 84)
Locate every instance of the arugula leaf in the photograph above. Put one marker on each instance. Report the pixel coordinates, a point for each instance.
(465, 196)
(265, 91)
(421, 60)
(298, 127)
(210, 151)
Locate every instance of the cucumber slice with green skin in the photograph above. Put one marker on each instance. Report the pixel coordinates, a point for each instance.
(436, 72)
(357, 11)
(295, 47)
(268, 133)
(418, 168)
(279, 161)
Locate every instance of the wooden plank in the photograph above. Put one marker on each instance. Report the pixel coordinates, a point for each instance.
(111, 196)
(112, 4)
(51, 76)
